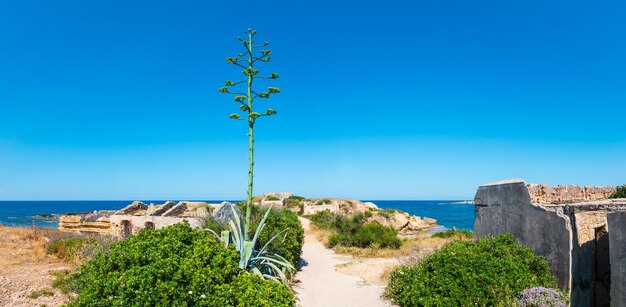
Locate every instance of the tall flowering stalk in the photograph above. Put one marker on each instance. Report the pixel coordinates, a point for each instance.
(246, 97)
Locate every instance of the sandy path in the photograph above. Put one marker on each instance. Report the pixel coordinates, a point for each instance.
(321, 284)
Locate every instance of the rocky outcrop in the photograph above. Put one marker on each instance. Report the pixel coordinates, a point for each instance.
(223, 214)
(133, 208)
(87, 224)
(544, 194)
(175, 210)
(403, 222)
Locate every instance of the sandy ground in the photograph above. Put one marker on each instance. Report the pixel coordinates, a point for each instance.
(25, 267)
(321, 284)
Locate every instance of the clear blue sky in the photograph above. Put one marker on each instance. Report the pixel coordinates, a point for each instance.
(381, 99)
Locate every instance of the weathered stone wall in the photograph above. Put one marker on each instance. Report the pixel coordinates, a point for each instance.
(505, 207)
(140, 222)
(617, 241)
(584, 254)
(76, 223)
(544, 194)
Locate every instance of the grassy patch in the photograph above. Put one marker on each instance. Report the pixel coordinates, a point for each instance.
(39, 293)
(455, 234)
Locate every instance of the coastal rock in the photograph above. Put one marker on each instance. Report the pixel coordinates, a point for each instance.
(279, 195)
(276, 204)
(160, 210)
(176, 209)
(132, 208)
(223, 214)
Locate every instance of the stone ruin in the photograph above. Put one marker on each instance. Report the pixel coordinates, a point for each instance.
(138, 216)
(580, 232)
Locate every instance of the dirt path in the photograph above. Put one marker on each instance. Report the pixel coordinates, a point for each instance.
(322, 285)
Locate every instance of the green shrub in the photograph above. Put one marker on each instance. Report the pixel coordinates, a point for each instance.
(324, 219)
(295, 197)
(620, 193)
(461, 234)
(290, 245)
(272, 198)
(487, 272)
(323, 202)
(70, 248)
(368, 235)
(173, 266)
(352, 231)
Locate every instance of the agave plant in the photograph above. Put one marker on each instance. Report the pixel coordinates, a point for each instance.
(261, 262)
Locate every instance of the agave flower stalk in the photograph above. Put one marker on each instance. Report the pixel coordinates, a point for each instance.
(246, 98)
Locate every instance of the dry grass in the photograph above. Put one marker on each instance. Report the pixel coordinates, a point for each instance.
(25, 265)
(22, 245)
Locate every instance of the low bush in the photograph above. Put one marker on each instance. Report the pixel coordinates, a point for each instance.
(490, 271)
(368, 235)
(173, 266)
(352, 231)
(289, 246)
(620, 193)
(461, 234)
(272, 198)
(69, 248)
(323, 202)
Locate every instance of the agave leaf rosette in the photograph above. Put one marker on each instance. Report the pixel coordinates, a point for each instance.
(261, 262)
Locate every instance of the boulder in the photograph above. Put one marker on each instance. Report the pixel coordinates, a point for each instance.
(223, 214)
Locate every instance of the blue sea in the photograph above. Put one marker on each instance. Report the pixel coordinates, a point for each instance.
(24, 213)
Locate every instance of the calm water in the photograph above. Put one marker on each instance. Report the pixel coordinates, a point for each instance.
(446, 213)
(23, 213)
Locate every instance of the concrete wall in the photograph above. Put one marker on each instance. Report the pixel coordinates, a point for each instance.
(617, 241)
(505, 207)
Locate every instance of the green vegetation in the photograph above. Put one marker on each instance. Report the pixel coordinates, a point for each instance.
(461, 234)
(288, 245)
(173, 266)
(272, 198)
(246, 98)
(490, 271)
(70, 248)
(323, 202)
(620, 193)
(352, 231)
(39, 293)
